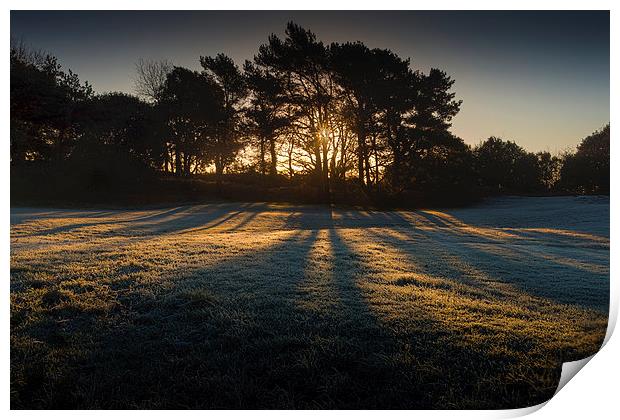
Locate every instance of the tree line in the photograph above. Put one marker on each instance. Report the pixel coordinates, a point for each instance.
(341, 118)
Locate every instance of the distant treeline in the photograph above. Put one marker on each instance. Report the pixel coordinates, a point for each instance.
(302, 121)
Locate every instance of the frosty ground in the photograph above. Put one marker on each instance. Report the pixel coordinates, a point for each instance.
(229, 305)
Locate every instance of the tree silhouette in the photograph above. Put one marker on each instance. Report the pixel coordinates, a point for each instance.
(151, 77)
(224, 140)
(357, 72)
(44, 104)
(587, 171)
(267, 114)
(193, 103)
(126, 123)
(353, 122)
(302, 62)
(505, 167)
(549, 167)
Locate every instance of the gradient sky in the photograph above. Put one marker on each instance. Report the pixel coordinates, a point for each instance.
(540, 79)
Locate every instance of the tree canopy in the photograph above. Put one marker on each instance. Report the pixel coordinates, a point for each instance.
(336, 118)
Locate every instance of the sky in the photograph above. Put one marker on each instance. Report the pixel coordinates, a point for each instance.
(538, 78)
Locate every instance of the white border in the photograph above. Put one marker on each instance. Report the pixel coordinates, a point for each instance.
(593, 394)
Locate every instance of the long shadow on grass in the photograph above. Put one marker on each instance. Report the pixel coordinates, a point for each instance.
(562, 281)
(124, 234)
(150, 217)
(228, 336)
(234, 335)
(548, 248)
(200, 343)
(475, 285)
(423, 364)
(173, 220)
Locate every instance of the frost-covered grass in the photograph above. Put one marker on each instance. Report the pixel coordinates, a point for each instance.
(256, 305)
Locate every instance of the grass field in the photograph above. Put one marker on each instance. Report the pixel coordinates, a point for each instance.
(230, 305)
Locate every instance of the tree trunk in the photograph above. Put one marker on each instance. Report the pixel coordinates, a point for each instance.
(186, 164)
(177, 161)
(360, 156)
(291, 172)
(263, 166)
(396, 167)
(343, 158)
(166, 158)
(367, 165)
(325, 171)
(219, 170)
(274, 158)
(374, 147)
(396, 159)
(318, 167)
(333, 172)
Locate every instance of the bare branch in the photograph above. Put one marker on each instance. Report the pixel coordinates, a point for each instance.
(151, 77)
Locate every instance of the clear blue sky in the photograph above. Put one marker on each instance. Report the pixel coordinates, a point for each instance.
(538, 78)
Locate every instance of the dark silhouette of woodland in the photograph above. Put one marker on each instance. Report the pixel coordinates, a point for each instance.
(303, 121)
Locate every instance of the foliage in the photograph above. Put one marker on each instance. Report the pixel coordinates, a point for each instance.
(44, 107)
(349, 120)
(587, 170)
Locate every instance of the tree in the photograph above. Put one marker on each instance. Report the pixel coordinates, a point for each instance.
(267, 116)
(357, 72)
(397, 92)
(193, 103)
(151, 77)
(301, 62)
(503, 166)
(337, 113)
(549, 168)
(423, 129)
(44, 105)
(127, 124)
(440, 167)
(587, 171)
(435, 105)
(225, 140)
